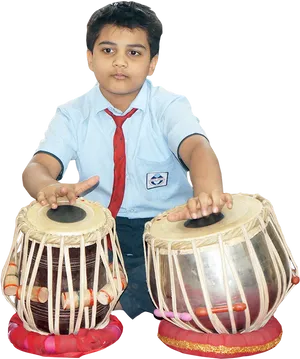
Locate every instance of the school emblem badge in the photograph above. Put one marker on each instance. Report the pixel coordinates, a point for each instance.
(156, 179)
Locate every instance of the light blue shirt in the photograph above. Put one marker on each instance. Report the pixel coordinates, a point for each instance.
(156, 178)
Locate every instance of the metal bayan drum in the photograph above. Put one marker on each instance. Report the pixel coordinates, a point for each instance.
(58, 268)
(225, 277)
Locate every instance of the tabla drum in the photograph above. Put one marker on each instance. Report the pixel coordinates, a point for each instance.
(226, 273)
(59, 275)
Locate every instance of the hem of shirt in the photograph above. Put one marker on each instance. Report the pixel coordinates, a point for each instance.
(138, 215)
(60, 175)
(179, 158)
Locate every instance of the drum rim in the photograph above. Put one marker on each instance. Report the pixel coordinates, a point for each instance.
(71, 238)
(175, 250)
(227, 234)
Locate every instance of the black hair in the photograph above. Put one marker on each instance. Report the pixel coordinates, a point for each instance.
(125, 14)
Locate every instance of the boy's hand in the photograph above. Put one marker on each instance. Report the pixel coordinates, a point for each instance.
(49, 194)
(202, 206)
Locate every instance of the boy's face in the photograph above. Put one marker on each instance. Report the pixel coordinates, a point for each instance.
(121, 60)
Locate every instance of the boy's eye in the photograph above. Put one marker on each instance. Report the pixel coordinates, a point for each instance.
(134, 53)
(108, 50)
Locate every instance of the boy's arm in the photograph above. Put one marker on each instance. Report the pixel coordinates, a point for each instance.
(187, 140)
(199, 157)
(206, 178)
(39, 179)
(40, 172)
(58, 148)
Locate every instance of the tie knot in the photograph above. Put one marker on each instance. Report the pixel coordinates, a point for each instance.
(119, 120)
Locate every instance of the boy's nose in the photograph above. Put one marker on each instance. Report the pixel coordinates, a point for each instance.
(120, 61)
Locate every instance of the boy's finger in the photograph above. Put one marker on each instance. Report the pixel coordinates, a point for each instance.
(52, 201)
(179, 216)
(192, 205)
(205, 201)
(71, 197)
(41, 198)
(86, 185)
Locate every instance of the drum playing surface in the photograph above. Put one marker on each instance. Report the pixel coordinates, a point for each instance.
(245, 209)
(85, 217)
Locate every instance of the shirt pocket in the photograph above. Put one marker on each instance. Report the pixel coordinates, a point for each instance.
(155, 178)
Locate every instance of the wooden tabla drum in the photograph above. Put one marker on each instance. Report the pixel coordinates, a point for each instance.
(226, 273)
(59, 275)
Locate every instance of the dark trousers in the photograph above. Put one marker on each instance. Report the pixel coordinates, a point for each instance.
(135, 299)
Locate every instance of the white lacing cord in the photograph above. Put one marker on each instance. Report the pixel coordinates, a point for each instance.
(50, 288)
(279, 271)
(261, 283)
(85, 308)
(24, 293)
(30, 318)
(58, 287)
(70, 289)
(186, 325)
(17, 241)
(17, 252)
(176, 319)
(156, 266)
(226, 286)
(109, 275)
(172, 256)
(215, 321)
(241, 291)
(82, 286)
(96, 280)
(22, 280)
(276, 226)
(148, 256)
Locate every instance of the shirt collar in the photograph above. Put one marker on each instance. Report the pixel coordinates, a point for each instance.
(100, 103)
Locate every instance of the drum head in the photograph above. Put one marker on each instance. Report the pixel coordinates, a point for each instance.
(245, 208)
(81, 218)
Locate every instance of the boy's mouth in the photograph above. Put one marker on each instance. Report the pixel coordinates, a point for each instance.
(120, 76)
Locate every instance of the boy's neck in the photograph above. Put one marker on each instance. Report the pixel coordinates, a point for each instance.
(121, 102)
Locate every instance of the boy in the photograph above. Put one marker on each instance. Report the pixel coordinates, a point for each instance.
(141, 163)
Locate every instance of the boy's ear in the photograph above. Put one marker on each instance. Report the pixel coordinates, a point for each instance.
(90, 59)
(153, 64)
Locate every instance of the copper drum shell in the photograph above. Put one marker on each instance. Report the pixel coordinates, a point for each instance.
(63, 252)
(40, 310)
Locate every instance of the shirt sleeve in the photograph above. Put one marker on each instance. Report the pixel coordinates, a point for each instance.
(60, 140)
(179, 123)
